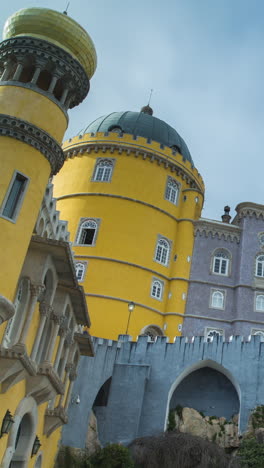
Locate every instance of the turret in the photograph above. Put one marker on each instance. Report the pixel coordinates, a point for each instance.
(46, 63)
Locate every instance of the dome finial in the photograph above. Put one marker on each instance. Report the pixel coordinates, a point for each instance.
(147, 109)
(66, 10)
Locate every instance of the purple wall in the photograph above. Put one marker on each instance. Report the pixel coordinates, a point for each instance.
(238, 316)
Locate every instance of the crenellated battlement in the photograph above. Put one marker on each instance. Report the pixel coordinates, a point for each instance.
(109, 142)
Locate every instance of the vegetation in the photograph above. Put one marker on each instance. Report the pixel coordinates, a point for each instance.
(112, 456)
(258, 417)
(251, 454)
(171, 421)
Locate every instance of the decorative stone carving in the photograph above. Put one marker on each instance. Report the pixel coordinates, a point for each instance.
(36, 289)
(43, 55)
(45, 309)
(228, 232)
(32, 135)
(7, 309)
(54, 418)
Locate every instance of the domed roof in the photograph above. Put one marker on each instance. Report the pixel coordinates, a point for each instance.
(57, 28)
(144, 125)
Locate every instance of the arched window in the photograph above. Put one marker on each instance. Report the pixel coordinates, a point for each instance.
(15, 323)
(217, 299)
(260, 302)
(260, 266)
(162, 251)
(80, 270)
(103, 170)
(221, 262)
(152, 331)
(172, 190)
(87, 232)
(210, 333)
(157, 289)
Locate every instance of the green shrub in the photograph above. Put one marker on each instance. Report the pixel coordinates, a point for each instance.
(178, 410)
(251, 454)
(112, 456)
(171, 421)
(258, 417)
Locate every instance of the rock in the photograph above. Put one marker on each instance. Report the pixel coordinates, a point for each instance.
(222, 420)
(259, 434)
(92, 442)
(235, 419)
(193, 423)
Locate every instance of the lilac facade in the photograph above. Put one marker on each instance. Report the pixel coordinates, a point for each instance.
(239, 309)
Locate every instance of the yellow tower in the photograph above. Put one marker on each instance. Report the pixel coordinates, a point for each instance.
(131, 193)
(46, 61)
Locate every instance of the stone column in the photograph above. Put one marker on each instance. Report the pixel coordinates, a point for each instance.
(18, 72)
(6, 71)
(45, 310)
(72, 377)
(64, 95)
(62, 332)
(53, 84)
(35, 291)
(68, 342)
(36, 75)
(57, 321)
(68, 368)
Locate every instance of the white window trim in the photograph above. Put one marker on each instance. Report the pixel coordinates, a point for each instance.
(258, 331)
(214, 290)
(229, 262)
(207, 330)
(20, 201)
(162, 289)
(255, 302)
(97, 162)
(81, 221)
(256, 265)
(84, 270)
(171, 179)
(169, 251)
(149, 328)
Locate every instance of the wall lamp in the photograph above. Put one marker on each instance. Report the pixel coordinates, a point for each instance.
(131, 306)
(36, 446)
(7, 423)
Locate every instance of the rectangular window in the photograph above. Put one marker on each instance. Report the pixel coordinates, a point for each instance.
(14, 196)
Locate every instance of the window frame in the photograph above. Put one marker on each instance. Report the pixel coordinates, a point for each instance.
(262, 265)
(207, 330)
(97, 164)
(20, 199)
(157, 280)
(168, 255)
(168, 198)
(228, 260)
(79, 231)
(214, 291)
(84, 264)
(257, 295)
(258, 331)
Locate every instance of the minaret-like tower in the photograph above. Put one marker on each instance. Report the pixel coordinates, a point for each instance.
(46, 62)
(131, 194)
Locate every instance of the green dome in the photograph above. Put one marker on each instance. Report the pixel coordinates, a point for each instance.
(144, 125)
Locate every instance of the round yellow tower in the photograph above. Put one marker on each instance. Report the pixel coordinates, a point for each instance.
(131, 193)
(46, 62)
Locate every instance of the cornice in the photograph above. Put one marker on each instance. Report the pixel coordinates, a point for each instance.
(249, 209)
(33, 136)
(137, 151)
(227, 232)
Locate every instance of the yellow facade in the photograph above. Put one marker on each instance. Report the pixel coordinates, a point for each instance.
(40, 341)
(132, 212)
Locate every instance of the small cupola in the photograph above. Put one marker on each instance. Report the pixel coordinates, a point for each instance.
(226, 216)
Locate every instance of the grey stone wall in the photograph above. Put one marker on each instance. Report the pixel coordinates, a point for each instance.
(145, 376)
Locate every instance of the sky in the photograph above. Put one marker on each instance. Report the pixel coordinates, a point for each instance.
(204, 60)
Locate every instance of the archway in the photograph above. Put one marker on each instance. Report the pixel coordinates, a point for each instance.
(22, 435)
(100, 406)
(208, 387)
